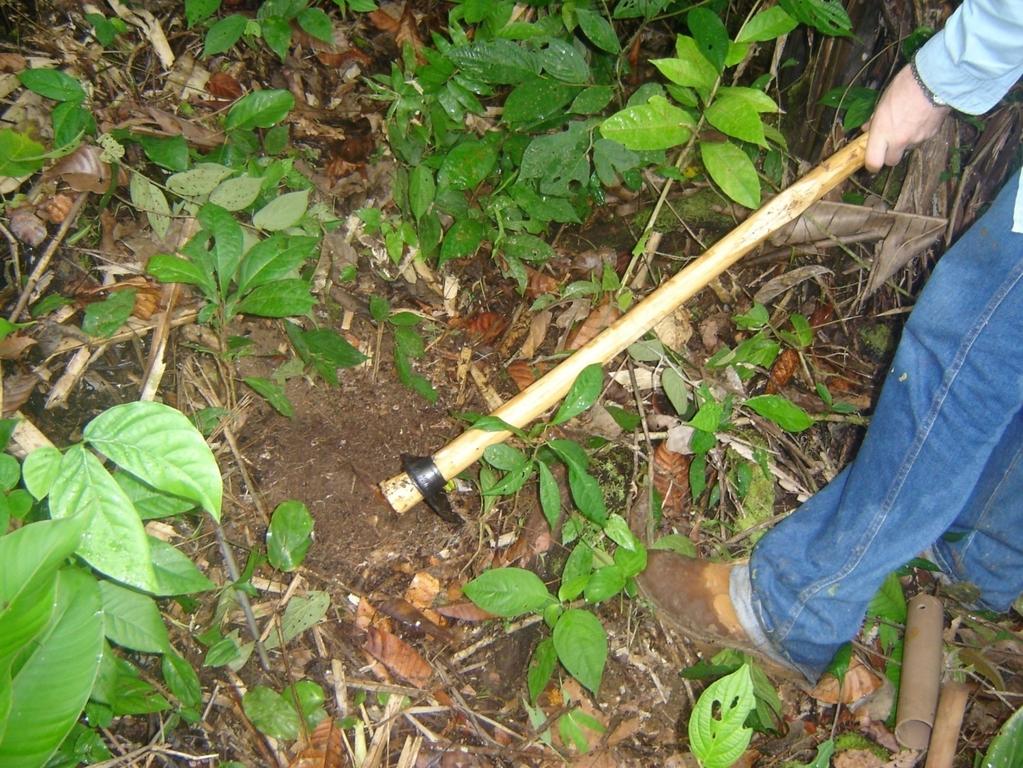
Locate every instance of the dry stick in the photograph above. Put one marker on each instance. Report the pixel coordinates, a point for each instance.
(402, 493)
(947, 724)
(243, 599)
(44, 261)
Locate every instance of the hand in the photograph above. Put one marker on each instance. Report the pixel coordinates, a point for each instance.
(904, 117)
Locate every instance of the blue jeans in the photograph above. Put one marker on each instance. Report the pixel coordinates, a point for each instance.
(942, 456)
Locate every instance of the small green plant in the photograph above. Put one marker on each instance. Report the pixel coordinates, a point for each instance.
(718, 734)
(408, 345)
(80, 576)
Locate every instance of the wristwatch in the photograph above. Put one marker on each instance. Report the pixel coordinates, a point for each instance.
(932, 97)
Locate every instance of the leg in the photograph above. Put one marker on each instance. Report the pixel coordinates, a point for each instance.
(953, 390)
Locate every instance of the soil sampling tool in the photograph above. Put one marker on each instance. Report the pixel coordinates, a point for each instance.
(424, 477)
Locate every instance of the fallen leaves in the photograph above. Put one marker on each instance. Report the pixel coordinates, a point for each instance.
(322, 750)
(398, 656)
(403, 28)
(671, 478)
(599, 318)
(224, 86)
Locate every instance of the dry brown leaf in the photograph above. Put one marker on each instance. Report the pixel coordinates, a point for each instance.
(12, 62)
(671, 478)
(403, 29)
(26, 226)
(464, 611)
(716, 330)
(782, 371)
(13, 347)
(599, 319)
(338, 59)
(398, 656)
(406, 613)
(484, 327)
(521, 373)
(538, 327)
(856, 758)
(675, 330)
(55, 208)
(822, 314)
(224, 86)
(323, 750)
(83, 170)
(788, 280)
(860, 681)
(423, 590)
(18, 389)
(539, 283)
(366, 616)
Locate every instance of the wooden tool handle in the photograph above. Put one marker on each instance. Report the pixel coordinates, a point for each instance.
(463, 451)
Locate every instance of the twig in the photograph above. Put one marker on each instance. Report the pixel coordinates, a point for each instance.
(468, 651)
(44, 261)
(243, 599)
(12, 243)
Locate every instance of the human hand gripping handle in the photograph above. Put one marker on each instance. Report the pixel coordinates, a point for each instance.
(904, 117)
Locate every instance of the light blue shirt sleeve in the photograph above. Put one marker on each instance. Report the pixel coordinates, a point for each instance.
(974, 61)
(977, 57)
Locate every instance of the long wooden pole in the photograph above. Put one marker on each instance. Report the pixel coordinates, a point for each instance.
(402, 493)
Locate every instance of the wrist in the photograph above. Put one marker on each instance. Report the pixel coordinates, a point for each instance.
(931, 96)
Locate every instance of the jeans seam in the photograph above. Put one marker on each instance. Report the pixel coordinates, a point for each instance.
(923, 433)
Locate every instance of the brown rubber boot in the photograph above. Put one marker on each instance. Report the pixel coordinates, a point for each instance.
(691, 595)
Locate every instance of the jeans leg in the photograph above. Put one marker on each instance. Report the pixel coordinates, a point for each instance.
(955, 386)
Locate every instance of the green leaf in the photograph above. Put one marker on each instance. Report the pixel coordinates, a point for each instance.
(889, 605)
(149, 198)
(592, 100)
(781, 411)
(732, 170)
(598, 29)
(504, 457)
(508, 592)
(159, 445)
(541, 668)
(582, 394)
(289, 535)
(170, 152)
(70, 121)
(561, 60)
(529, 248)
(827, 16)
(325, 350)
(175, 573)
(282, 212)
(237, 193)
(19, 154)
(736, 116)
(182, 681)
(857, 101)
(675, 390)
(559, 161)
(316, 23)
(283, 298)
(421, 190)
(272, 392)
(605, 582)
(710, 35)
(199, 10)
(655, 125)
(1006, 748)
(224, 34)
(495, 61)
(576, 572)
(53, 84)
(199, 181)
(271, 713)
(581, 643)
(461, 240)
(550, 495)
(717, 734)
(496, 424)
(766, 25)
(132, 620)
(259, 109)
(691, 68)
(40, 469)
(276, 33)
(535, 101)
(103, 318)
(114, 542)
(467, 164)
(277, 258)
(51, 687)
(148, 501)
(301, 613)
(307, 697)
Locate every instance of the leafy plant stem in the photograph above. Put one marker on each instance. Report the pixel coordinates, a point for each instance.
(243, 599)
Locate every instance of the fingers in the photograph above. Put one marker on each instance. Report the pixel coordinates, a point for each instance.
(877, 151)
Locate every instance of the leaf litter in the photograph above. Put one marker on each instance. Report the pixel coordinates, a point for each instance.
(378, 618)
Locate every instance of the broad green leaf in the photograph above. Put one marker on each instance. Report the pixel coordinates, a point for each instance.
(176, 574)
(199, 10)
(605, 582)
(272, 392)
(170, 152)
(582, 394)
(224, 34)
(535, 101)
(592, 100)
(550, 495)
(259, 109)
(132, 620)
(710, 35)
(316, 23)
(508, 592)
(149, 199)
(461, 240)
(70, 121)
(198, 181)
(541, 667)
(495, 61)
(857, 101)
(504, 457)
(271, 713)
(576, 572)
(39, 470)
(587, 495)
(104, 318)
(559, 161)
(325, 350)
(282, 212)
(114, 541)
(496, 424)
(612, 159)
(467, 164)
(301, 613)
(736, 117)
(766, 25)
(889, 605)
(53, 84)
(19, 154)
(828, 16)
(421, 190)
(149, 502)
(631, 561)
(598, 30)
(756, 98)
(237, 193)
(276, 258)
(581, 643)
(1006, 748)
(159, 445)
(283, 298)
(529, 248)
(655, 125)
(561, 60)
(276, 33)
(732, 170)
(690, 68)
(52, 686)
(181, 679)
(289, 535)
(646, 351)
(307, 697)
(717, 734)
(675, 390)
(781, 411)
(636, 9)
(617, 529)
